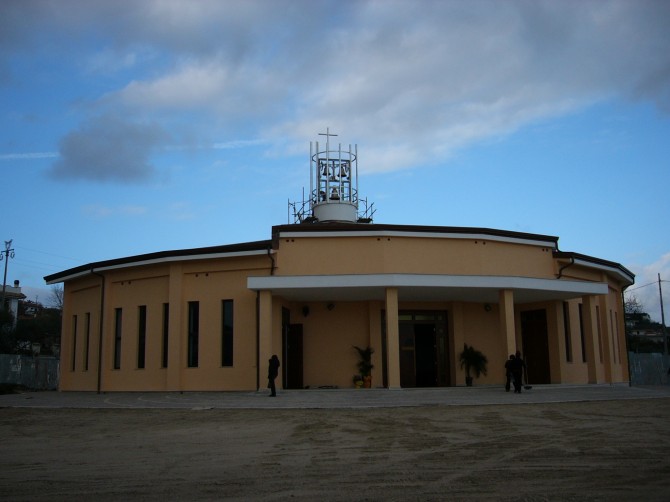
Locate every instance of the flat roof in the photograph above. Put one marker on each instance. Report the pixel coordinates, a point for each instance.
(229, 250)
(343, 229)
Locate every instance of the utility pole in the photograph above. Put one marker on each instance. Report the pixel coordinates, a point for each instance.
(6, 255)
(665, 338)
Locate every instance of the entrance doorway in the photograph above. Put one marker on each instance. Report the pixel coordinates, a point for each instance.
(292, 353)
(535, 340)
(424, 357)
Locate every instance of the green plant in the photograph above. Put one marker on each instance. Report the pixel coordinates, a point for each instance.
(364, 360)
(472, 360)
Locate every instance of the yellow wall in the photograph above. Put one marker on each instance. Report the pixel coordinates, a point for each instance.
(208, 283)
(415, 255)
(328, 335)
(328, 339)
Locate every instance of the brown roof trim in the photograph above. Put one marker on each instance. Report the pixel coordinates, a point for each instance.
(374, 227)
(566, 255)
(161, 255)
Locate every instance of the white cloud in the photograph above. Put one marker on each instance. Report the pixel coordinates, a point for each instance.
(419, 80)
(108, 148)
(29, 156)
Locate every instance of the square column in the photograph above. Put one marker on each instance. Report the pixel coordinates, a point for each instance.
(606, 337)
(375, 330)
(507, 325)
(264, 337)
(457, 329)
(392, 338)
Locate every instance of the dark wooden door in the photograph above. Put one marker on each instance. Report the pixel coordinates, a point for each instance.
(293, 357)
(425, 355)
(407, 368)
(535, 339)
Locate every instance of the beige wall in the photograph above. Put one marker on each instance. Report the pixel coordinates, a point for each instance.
(335, 255)
(79, 300)
(328, 339)
(329, 335)
(205, 282)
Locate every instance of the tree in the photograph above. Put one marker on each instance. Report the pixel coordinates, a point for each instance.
(44, 328)
(7, 334)
(56, 297)
(632, 305)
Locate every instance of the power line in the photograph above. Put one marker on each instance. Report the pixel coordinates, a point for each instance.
(640, 287)
(50, 254)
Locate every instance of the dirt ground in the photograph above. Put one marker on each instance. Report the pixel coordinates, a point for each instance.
(611, 450)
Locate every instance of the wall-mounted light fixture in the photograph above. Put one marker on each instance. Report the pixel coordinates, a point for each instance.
(305, 310)
(330, 306)
(487, 307)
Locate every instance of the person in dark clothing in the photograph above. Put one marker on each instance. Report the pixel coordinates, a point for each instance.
(273, 371)
(518, 368)
(508, 372)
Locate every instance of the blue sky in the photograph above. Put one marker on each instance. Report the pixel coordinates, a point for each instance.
(131, 127)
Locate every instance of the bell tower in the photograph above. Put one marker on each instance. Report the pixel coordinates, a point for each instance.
(333, 186)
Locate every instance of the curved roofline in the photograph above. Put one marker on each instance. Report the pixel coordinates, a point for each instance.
(242, 249)
(340, 229)
(582, 259)
(415, 229)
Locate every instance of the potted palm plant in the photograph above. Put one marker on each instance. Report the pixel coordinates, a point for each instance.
(365, 364)
(474, 362)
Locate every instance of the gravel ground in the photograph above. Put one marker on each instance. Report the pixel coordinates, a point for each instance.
(600, 450)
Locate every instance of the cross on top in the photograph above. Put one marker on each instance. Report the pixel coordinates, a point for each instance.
(327, 135)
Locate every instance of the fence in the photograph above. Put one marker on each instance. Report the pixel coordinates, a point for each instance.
(36, 373)
(648, 369)
(42, 372)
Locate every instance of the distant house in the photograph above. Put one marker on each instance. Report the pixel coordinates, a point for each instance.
(210, 318)
(637, 319)
(644, 334)
(13, 295)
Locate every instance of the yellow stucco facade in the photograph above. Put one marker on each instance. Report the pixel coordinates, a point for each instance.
(209, 319)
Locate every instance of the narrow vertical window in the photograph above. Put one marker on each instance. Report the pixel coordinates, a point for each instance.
(566, 332)
(74, 343)
(118, 316)
(614, 329)
(87, 339)
(141, 336)
(227, 333)
(612, 336)
(581, 331)
(193, 333)
(600, 336)
(166, 330)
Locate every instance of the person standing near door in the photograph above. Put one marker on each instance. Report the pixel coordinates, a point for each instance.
(518, 369)
(273, 371)
(509, 364)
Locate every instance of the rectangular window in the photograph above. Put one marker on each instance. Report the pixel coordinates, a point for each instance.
(581, 331)
(227, 333)
(141, 336)
(118, 316)
(615, 331)
(74, 343)
(566, 332)
(613, 337)
(600, 336)
(87, 340)
(166, 326)
(193, 333)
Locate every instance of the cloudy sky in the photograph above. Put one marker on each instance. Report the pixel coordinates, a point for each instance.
(130, 127)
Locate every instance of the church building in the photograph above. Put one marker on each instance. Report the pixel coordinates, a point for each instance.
(209, 319)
